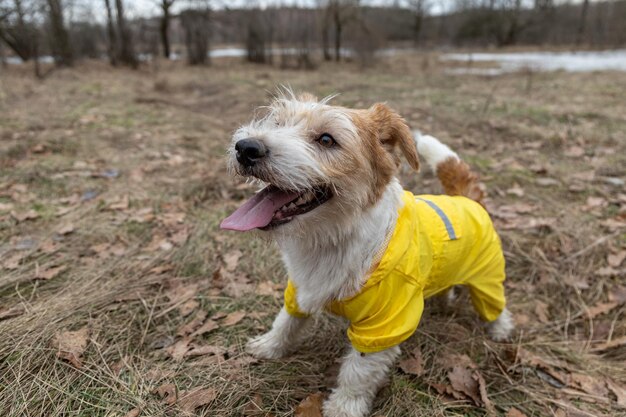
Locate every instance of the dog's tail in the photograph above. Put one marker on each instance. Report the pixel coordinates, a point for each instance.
(455, 175)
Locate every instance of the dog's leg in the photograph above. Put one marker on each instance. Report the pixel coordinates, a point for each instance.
(360, 378)
(500, 329)
(280, 339)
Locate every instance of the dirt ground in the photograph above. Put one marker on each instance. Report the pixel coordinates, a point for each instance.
(120, 296)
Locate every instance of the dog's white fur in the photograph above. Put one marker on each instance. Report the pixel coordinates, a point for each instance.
(329, 251)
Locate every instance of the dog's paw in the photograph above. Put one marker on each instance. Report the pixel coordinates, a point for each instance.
(340, 405)
(266, 346)
(501, 329)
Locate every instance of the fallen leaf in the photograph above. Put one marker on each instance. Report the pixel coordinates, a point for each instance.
(190, 400)
(414, 365)
(311, 406)
(119, 203)
(207, 327)
(50, 273)
(13, 261)
(201, 350)
(234, 318)
(23, 216)
(231, 259)
(193, 324)
(461, 379)
(601, 308)
(254, 407)
(616, 259)
(66, 229)
(574, 151)
(514, 412)
(588, 384)
(9, 313)
(516, 190)
(6, 206)
(620, 341)
(188, 307)
(71, 345)
(167, 393)
(547, 181)
(135, 412)
(541, 310)
(618, 391)
(268, 288)
(178, 350)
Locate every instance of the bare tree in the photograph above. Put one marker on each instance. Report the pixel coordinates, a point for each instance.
(112, 35)
(60, 40)
(164, 26)
(126, 52)
(340, 13)
(18, 32)
(582, 22)
(420, 10)
(197, 31)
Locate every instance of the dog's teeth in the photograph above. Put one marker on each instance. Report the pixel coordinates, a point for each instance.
(291, 206)
(300, 200)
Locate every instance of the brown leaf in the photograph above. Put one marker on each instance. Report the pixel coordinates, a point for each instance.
(268, 288)
(462, 380)
(71, 345)
(254, 407)
(588, 384)
(231, 259)
(190, 400)
(616, 259)
(119, 203)
(234, 318)
(6, 206)
(188, 307)
(207, 327)
(482, 389)
(618, 391)
(178, 350)
(514, 412)
(66, 229)
(50, 273)
(135, 412)
(574, 151)
(414, 364)
(601, 308)
(541, 310)
(167, 393)
(9, 313)
(193, 324)
(311, 406)
(26, 215)
(201, 350)
(620, 341)
(13, 261)
(516, 190)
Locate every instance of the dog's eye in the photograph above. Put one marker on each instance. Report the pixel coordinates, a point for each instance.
(326, 140)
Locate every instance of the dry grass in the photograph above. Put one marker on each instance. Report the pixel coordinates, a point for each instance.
(165, 132)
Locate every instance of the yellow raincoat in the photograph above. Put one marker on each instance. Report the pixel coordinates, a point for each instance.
(439, 241)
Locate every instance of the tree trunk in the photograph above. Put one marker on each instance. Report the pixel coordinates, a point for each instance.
(112, 47)
(126, 50)
(583, 22)
(338, 29)
(61, 47)
(325, 40)
(165, 25)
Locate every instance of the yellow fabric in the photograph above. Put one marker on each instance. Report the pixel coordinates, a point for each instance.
(422, 260)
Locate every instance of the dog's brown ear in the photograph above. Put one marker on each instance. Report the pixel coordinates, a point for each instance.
(394, 132)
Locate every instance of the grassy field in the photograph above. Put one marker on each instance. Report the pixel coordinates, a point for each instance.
(120, 296)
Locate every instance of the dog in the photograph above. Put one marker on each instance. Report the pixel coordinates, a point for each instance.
(353, 241)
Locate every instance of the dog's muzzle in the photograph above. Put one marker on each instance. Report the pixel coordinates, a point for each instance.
(249, 151)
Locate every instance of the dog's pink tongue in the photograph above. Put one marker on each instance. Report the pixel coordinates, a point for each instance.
(259, 210)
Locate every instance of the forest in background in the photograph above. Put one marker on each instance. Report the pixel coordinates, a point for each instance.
(67, 30)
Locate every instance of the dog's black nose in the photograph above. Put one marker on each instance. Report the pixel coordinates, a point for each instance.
(250, 151)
